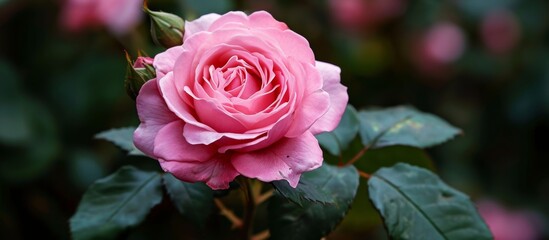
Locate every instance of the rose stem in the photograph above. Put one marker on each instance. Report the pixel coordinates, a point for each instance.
(262, 235)
(364, 175)
(256, 189)
(263, 197)
(236, 221)
(357, 156)
(249, 208)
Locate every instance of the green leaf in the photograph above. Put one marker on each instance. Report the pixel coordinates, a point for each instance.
(121, 137)
(363, 215)
(192, 200)
(305, 190)
(116, 202)
(339, 139)
(416, 204)
(403, 126)
(314, 220)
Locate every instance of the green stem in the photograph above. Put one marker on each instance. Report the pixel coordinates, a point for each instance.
(357, 156)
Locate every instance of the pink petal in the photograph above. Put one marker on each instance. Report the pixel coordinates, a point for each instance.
(217, 172)
(198, 135)
(263, 19)
(260, 19)
(199, 25)
(214, 116)
(287, 159)
(291, 43)
(170, 145)
(175, 102)
(233, 18)
(274, 133)
(338, 98)
(313, 107)
(164, 62)
(153, 114)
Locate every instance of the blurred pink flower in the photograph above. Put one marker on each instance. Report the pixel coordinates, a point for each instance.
(508, 224)
(119, 16)
(444, 43)
(353, 14)
(500, 31)
(435, 50)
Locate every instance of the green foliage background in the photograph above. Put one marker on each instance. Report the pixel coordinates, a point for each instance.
(57, 90)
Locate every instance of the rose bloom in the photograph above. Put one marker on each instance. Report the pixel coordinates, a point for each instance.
(244, 96)
(119, 16)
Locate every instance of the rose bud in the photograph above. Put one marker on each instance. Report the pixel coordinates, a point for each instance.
(137, 74)
(166, 28)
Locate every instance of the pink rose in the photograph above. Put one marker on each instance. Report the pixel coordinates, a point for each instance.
(244, 96)
(119, 16)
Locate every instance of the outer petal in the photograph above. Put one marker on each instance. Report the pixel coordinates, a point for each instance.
(153, 114)
(287, 159)
(312, 108)
(170, 145)
(199, 25)
(338, 98)
(315, 102)
(263, 19)
(217, 172)
(164, 62)
(259, 19)
(192, 163)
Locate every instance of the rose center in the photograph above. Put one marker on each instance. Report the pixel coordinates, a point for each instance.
(236, 78)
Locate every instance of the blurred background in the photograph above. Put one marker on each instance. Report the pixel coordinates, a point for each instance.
(483, 65)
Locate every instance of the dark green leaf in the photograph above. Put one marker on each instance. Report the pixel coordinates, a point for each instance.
(305, 190)
(122, 137)
(339, 139)
(116, 202)
(315, 220)
(403, 126)
(193, 200)
(416, 204)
